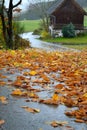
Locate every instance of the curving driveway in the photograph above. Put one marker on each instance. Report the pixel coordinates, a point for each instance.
(36, 43)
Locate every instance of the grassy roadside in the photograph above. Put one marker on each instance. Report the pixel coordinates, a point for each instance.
(76, 43)
(69, 41)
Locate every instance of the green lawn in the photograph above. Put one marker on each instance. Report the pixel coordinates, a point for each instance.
(72, 41)
(77, 42)
(30, 25)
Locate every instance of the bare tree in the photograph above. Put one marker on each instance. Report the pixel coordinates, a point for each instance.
(7, 17)
(42, 6)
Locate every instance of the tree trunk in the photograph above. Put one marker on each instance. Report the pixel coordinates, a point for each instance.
(9, 27)
(3, 22)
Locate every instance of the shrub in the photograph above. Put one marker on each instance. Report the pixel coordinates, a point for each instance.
(21, 43)
(37, 31)
(45, 34)
(18, 41)
(69, 30)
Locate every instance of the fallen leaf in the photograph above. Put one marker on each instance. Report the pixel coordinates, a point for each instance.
(32, 95)
(55, 97)
(31, 110)
(2, 83)
(85, 95)
(17, 92)
(49, 101)
(2, 122)
(57, 123)
(3, 99)
(32, 73)
(79, 121)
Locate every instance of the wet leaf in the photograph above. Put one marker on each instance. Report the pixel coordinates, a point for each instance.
(31, 110)
(58, 123)
(79, 121)
(2, 83)
(55, 97)
(2, 122)
(17, 92)
(33, 95)
(49, 101)
(3, 100)
(32, 73)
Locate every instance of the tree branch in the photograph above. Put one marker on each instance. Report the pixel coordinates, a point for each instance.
(17, 4)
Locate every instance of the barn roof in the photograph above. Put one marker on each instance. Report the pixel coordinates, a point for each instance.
(58, 4)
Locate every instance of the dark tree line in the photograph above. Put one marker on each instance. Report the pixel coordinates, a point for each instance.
(7, 18)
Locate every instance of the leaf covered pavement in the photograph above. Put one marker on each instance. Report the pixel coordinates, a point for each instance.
(63, 73)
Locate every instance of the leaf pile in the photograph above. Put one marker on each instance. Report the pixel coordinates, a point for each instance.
(64, 73)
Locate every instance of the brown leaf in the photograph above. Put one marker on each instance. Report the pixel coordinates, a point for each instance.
(79, 121)
(58, 123)
(59, 86)
(17, 92)
(31, 110)
(49, 101)
(2, 122)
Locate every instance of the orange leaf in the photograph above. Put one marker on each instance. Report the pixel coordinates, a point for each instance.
(32, 110)
(55, 97)
(2, 122)
(17, 92)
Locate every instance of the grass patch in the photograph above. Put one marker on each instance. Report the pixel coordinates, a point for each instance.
(30, 25)
(69, 41)
(76, 42)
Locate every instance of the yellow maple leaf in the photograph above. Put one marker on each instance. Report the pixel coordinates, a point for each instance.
(13, 52)
(23, 55)
(76, 73)
(32, 73)
(3, 99)
(17, 92)
(85, 95)
(55, 97)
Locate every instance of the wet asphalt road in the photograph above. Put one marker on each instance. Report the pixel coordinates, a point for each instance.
(36, 43)
(16, 118)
